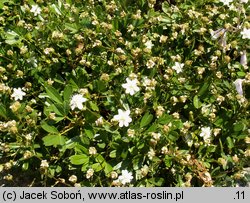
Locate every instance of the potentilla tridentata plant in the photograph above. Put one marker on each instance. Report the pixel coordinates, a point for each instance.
(124, 93)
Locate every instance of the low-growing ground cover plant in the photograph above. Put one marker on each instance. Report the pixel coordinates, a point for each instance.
(124, 93)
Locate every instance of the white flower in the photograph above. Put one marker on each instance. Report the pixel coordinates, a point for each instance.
(126, 177)
(123, 118)
(178, 67)
(120, 50)
(76, 101)
(90, 173)
(205, 133)
(238, 86)
(223, 40)
(245, 33)
(151, 153)
(44, 164)
(73, 179)
(243, 1)
(164, 150)
(35, 9)
(99, 121)
(28, 137)
(226, 2)
(131, 86)
(243, 58)
(33, 61)
(92, 151)
(217, 33)
(150, 63)
(18, 94)
(131, 132)
(156, 136)
(149, 44)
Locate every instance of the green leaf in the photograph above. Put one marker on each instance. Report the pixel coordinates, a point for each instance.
(53, 94)
(99, 158)
(152, 128)
(146, 119)
(173, 136)
(67, 92)
(137, 162)
(117, 166)
(108, 168)
(219, 122)
(58, 109)
(165, 119)
(203, 89)
(168, 161)
(124, 154)
(107, 128)
(54, 140)
(97, 167)
(165, 7)
(55, 9)
(100, 85)
(230, 143)
(101, 145)
(12, 37)
(72, 27)
(25, 166)
(84, 167)
(112, 154)
(66, 108)
(89, 133)
(49, 128)
(3, 112)
(90, 116)
(196, 102)
(79, 159)
(93, 106)
(156, 181)
(4, 1)
(71, 143)
(239, 126)
(178, 124)
(241, 74)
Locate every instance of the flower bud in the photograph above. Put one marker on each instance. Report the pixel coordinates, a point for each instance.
(73, 179)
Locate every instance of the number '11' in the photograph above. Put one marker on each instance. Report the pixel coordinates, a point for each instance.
(240, 195)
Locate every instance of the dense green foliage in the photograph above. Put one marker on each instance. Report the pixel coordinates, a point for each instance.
(92, 89)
